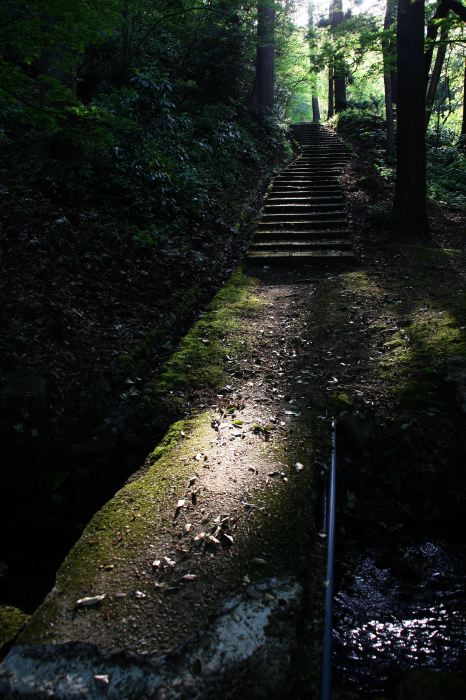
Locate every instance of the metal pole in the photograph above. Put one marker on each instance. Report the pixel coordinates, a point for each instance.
(327, 643)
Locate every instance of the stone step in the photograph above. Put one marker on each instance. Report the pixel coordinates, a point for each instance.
(324, 160)
(274, 234)
(302, 257)
(330, 168)
(302, 225)
(309, 179)
(305, 192)
(315, 166)
(304, 199)
(312, 140)
(299, 244)
(309, 148)
(315, 187)
(293, 218)
(321, 160)
(308, 175)
(298, 208)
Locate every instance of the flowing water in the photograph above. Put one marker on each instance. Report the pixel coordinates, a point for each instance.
(399, 609)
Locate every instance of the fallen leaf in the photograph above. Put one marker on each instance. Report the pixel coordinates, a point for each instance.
(89, 601)
(212, 540)
(102, 678)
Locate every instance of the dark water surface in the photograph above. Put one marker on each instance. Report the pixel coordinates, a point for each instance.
(397, 609)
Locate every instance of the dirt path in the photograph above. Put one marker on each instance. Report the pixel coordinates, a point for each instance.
(243, 495)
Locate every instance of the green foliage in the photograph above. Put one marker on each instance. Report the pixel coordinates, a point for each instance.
(133, 112)
(446, 170)
(199, 362)
(365, 128)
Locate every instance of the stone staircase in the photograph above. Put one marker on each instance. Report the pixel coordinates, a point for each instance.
(304, 219)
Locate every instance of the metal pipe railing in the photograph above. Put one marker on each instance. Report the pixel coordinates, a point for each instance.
(328, 603)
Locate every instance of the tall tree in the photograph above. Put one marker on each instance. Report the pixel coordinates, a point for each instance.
(410, 189)
(265, 58)
(331, 92)
(339, 71)
(388, 54)
(436, 73)
(441, 12)
(311, 34)
(462, 141)
(439, 19)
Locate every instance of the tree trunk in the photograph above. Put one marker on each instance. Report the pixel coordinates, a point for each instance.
(410, 188)
(314, 98)
(441, 12)
(463, 124)
(124, 58)
(432, 31)
(394, 82)
(388, 58)
(265, 58)
(315, 109)
(331, 97)
(339, 67)
(436, 73)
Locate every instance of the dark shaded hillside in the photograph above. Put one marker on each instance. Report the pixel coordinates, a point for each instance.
(132, 163)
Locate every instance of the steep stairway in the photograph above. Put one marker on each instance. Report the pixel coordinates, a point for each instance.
(304, 219)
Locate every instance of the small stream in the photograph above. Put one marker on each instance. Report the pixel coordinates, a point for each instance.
(398, 608)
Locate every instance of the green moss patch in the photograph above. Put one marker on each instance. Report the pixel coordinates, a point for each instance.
(416, 356)
(359, 282)
(217, 339)
(140, 511)
(12, 622)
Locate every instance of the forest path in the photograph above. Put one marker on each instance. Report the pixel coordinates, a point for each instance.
(238, 516)
(304, 218)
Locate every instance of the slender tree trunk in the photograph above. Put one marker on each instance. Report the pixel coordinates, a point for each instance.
(388, 58)
(440, 13)
(410, 189)
(436, 73)
(124, 58)
(432, 31)
(265, 58)
(314, 99)
(463, 124)
(394, 82)
(339, 67)
(331, 96)
(315, 109)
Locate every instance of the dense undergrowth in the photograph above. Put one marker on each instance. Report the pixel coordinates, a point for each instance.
(132, 165)
(131, 162)
(446, 162)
